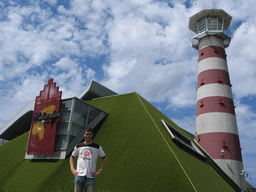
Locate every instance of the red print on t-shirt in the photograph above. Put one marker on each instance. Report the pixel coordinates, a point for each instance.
(86, 153)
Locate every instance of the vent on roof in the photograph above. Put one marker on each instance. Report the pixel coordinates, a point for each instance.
(181, 139)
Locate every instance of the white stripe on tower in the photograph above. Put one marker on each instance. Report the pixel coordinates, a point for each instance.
(216, 125)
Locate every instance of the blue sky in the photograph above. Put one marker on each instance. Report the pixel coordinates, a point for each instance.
(127, 46)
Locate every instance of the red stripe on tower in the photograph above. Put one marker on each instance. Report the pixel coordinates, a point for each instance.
(212, 51)
(216, 142)
(213, 76)
(215, 104)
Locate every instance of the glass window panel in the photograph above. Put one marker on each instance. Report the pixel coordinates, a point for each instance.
(94, 112)
(90, 120)
(71, 138)
(201, 29)
(60, 141)
(201, 25)
(201, 21)
(213, 23)
(219, 24)
(81, 106)
(211, 28)
(76, 129)
(62, 128)
(66, 105)
(79, 118)
(64, 116)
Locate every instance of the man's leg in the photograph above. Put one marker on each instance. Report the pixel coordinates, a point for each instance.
(89, 185)
(79, 184)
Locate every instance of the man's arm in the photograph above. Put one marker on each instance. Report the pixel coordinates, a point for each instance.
(71, 162)
(104, 162)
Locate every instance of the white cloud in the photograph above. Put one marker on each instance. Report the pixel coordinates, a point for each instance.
(246, 118)
(29, 88)
(79, 8)
(62, 9)
(242, 60)
(72, 82)
(66, 63)
(156, 52)
(90, 74)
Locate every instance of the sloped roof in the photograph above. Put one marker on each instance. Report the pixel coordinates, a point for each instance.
(141, 156)
(19, 124)
(95, 90)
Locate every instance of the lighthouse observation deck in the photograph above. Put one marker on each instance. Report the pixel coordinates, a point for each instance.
(210, 22)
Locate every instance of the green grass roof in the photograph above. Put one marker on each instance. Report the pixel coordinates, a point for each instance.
(141, 156)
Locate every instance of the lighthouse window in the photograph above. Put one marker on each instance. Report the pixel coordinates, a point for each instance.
(212, 23)
(219, 23)
(209, 23)
(182, 140)
(201, 25)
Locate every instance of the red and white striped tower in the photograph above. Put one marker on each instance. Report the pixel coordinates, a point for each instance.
(216, 127)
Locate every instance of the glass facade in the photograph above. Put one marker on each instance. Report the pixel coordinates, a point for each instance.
(76, 115)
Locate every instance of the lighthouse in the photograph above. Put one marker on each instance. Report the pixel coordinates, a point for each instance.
(216, 126)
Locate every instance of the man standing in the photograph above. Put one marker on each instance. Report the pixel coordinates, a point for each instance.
(88, 153)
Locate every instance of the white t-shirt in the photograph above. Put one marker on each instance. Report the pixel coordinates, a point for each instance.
(87, 158)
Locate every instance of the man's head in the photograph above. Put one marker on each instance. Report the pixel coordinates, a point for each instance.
(88, 129)
(88, 134)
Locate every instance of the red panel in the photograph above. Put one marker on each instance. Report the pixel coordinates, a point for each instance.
(44, 121)
(212, 104)
(211, 52)
(212, 143)
(213, 76)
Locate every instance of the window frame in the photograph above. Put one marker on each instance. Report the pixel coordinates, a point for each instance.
(182, 140)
